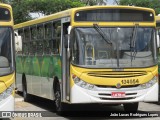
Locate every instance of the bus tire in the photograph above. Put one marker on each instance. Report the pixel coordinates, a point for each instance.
(58, 103)
(131, 107)
(24, 87)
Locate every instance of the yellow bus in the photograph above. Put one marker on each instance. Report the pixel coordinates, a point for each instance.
(95, 54)
(7, 62)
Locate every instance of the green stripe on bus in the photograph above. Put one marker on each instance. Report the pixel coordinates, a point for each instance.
(47, 66)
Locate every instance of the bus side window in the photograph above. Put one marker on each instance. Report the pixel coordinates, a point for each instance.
(26, 34)
(25, 48)
(39, 47)
(20, 33)
(48, 37)
(32, 49)
(56, 37)
(46, 47)
(40, 32)
(33, 33)
(26, 41)
(48, 31)
(57, 28)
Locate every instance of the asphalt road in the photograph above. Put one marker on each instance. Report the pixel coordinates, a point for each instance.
(148, 111)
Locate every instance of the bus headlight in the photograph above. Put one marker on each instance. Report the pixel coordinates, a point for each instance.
(82, 83)
(6, 93)
(150, 83)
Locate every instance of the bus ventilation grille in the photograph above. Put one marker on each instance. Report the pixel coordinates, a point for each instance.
(117, 74)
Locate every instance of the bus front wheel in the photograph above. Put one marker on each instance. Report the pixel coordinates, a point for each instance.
(131, 107)
(58, 103)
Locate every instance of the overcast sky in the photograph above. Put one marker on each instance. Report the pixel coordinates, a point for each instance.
(110, 2)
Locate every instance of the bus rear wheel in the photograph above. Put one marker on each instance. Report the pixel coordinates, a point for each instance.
(131, 107)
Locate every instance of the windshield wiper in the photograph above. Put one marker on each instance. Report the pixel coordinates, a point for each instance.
(133, 43)
(103, 35)
(105, 38)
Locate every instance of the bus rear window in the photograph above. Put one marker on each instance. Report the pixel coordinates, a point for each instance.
(114, 15)
(5, 14)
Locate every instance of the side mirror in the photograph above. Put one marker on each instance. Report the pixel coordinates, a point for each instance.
(18, 42)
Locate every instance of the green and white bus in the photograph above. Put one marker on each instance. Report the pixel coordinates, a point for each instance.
(94, 54)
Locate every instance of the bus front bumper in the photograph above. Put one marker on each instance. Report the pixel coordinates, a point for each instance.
(81, 95)
(7, 104)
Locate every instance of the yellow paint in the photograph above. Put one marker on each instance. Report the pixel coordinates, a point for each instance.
(6, 81)
(7, 23)
(82, 73)
(71, 81)
(13, 93)
(71, 13)
(73, 23)
(2, 87)
(112, 24)
(44, 19)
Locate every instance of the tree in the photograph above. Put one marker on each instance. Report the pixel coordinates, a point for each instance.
(94, 2)
(21, 11)
(23, 8)
(5, 1)
(47, 7)
(154, 4)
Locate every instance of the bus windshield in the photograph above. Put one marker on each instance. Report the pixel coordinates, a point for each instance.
(90, 50)
(5, 50)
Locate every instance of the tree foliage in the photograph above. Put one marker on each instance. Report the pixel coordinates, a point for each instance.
(47, 7)
(94, 2)
(21, 11)
(23, 8)
(154, 4)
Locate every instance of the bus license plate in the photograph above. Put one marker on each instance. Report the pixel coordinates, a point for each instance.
(118, 94)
